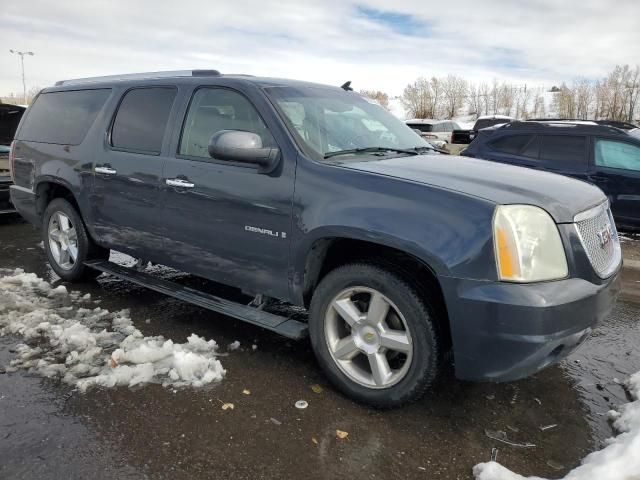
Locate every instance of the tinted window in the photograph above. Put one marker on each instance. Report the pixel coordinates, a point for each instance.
(489, 122)
(563, 149)
(63, 117)
(423, 127)
(532, 150)
(513, 144)
(215, 109)
(142, 119)
(612, 154)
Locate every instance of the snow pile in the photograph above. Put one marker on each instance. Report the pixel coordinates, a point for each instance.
(619, 460)
(88, 347)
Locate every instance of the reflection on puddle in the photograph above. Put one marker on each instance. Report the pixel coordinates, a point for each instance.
(600, 367)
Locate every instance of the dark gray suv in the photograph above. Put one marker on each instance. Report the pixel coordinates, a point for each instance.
(310, 195)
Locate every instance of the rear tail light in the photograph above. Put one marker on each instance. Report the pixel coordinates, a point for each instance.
(12, 161)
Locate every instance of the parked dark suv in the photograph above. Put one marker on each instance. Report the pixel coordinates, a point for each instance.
(598, 153)
(310, 195)
(10, 116)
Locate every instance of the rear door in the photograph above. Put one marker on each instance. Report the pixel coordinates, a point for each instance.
(565, 154)
(223, 220)
(128, 171)
(617, 172)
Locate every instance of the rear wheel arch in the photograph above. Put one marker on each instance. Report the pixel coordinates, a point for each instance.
(48, 190)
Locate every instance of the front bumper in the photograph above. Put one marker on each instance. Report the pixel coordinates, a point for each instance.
(5, 201)
(506, 331)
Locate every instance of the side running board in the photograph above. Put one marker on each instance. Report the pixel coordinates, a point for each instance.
(285, 326)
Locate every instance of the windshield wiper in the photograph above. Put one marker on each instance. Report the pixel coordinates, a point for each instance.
(370, 150)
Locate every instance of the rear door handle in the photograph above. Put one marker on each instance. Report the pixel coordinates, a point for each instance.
(179, 182)
(105, 170)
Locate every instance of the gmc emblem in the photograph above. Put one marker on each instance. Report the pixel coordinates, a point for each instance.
(605, 235)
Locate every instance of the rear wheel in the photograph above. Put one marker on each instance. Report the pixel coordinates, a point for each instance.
(67, 242)
(373, 335)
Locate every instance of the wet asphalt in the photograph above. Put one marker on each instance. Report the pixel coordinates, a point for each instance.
(48, 430)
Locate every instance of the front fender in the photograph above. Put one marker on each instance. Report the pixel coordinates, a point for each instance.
(449, 231)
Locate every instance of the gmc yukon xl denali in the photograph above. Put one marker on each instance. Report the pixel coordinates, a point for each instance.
(310, 195)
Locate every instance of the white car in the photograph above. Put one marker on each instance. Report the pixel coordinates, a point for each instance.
(434, 129)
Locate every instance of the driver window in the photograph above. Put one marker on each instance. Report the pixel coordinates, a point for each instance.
(215, 109)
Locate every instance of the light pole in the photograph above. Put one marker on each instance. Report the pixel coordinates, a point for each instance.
(24, 85)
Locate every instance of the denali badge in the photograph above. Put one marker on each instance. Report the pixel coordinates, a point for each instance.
(265, 231)
(605, 235)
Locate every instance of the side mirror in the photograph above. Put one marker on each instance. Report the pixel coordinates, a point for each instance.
(243, 147)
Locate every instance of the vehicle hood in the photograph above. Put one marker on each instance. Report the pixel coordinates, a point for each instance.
(562, 197)
(10, 116)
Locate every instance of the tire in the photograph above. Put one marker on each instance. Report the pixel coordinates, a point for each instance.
(410, 320)
(67, 267)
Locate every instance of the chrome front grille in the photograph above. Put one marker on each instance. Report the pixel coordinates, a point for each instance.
(599, 237)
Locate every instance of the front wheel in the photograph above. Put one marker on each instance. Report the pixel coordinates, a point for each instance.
(374, 335)
(67, 242)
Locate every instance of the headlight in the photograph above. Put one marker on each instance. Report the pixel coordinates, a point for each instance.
(527, 245)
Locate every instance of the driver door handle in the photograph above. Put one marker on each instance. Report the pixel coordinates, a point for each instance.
(105, 170)
(179, 182)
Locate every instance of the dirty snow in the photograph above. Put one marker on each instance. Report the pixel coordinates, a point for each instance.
(65, 337)
(619, 460)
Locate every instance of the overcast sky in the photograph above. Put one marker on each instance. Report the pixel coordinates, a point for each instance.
(376, 44)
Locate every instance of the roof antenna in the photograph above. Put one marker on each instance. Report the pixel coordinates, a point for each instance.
(346, 86)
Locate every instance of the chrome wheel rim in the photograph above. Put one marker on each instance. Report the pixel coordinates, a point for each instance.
(368, 337)
(63, 241)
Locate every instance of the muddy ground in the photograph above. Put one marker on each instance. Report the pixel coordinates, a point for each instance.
(48, 430)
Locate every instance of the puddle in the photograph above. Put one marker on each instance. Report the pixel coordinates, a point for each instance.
(604, 362)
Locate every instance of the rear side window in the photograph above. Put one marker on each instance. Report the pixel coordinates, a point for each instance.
(513, 144)
(567, 149)
(423, 127)
(142, 119)
(63, 117)
(622, 155)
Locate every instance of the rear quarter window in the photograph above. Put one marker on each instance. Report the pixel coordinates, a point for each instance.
(423, 127)
(565, 149)
(63, 117)
(512, 144)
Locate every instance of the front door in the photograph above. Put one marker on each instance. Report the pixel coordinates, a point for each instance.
(128, 172)
(617, 173)
(223, 220)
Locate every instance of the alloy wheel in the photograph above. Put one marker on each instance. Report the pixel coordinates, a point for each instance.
(368, 337)
(63, 240)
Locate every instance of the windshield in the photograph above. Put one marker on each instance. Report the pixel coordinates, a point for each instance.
(329, 121)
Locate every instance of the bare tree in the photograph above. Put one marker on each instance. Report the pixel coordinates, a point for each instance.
(583, 97)
(475, 102)
(377, 95)
(416, 99)
(484, 93)
(539, 109)
(454, 90)
(633, 93)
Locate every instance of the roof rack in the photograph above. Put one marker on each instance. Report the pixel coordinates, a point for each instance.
(606, 123)
(140, 76)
